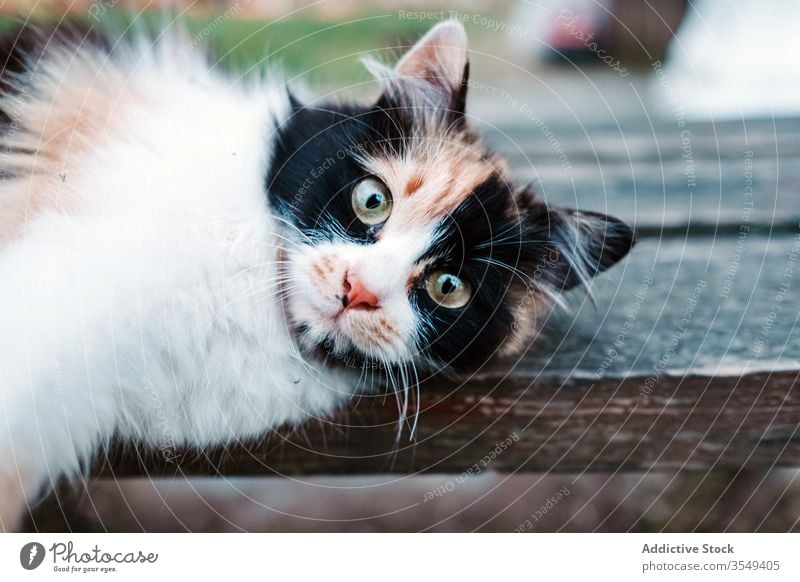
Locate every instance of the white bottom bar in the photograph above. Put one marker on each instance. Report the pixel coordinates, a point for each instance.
(401, 557)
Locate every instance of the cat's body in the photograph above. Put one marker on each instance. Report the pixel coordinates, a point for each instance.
(137, 302)
(153, 283)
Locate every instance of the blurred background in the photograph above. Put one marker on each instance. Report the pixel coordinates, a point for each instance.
(680, 118)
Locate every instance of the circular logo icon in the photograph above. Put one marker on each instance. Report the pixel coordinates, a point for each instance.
(31, 555)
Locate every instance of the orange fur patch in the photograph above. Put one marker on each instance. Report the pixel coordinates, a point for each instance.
(414, 184)
(374, 329)
(416, 272)
(436, 176)
(328, 274)
(524, 311)
(48, 134)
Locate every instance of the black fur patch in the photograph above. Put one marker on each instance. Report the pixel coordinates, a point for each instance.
(314, 169)
(506, 251)
(465, 338)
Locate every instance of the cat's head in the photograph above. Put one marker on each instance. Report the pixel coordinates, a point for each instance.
(409, 241)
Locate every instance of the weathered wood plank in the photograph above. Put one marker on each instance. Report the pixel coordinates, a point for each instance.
(692, 423)
(696, 178)
(707, 305)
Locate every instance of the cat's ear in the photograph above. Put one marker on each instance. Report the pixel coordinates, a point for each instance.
(437, 67)
(574, 245)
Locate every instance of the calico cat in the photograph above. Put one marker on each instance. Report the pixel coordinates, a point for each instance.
(186, 257)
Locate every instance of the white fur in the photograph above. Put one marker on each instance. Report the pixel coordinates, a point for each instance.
(384, 268)
(148, 308)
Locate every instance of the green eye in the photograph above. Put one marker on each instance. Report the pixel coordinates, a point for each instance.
(372, 201)
(448, 290)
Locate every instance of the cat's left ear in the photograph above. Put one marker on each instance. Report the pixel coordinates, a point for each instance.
(436, 68)
(573, 246)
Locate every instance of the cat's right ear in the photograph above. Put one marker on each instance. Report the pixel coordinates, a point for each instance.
(435, 70)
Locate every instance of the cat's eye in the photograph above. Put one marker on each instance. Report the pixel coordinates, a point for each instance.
(372, 201)
(448, 290)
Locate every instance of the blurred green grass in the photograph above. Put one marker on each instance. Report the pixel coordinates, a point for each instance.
(309, 48)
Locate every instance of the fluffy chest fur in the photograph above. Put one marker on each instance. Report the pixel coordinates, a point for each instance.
(140, 257)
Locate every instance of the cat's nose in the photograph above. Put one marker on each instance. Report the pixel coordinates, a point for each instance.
(356, 295)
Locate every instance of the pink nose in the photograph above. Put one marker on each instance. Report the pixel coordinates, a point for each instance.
(356, 295)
